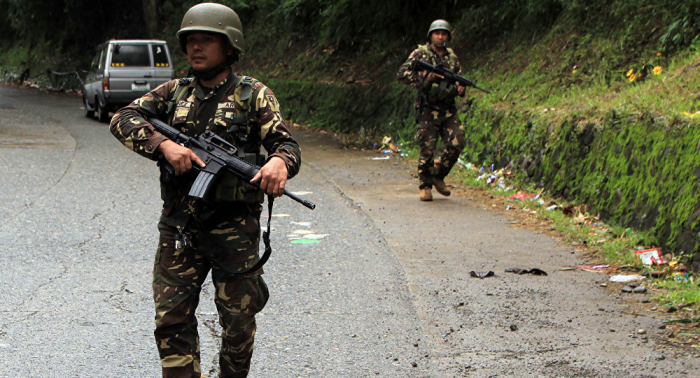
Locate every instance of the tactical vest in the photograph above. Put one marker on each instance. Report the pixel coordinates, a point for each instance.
(435, 92)
(232, 123)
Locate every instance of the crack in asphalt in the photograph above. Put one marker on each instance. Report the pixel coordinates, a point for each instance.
(65, 269)
(26, 206)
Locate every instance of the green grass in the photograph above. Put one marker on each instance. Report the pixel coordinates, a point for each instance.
(679, 290)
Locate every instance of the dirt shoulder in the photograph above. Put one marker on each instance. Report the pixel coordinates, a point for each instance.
(563, 324)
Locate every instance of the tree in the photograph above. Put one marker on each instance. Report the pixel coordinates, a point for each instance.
(150, 15)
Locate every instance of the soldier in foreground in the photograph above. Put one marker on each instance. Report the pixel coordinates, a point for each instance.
(436, 113)
(221, 232)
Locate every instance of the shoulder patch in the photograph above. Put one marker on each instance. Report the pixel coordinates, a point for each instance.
(272, 102)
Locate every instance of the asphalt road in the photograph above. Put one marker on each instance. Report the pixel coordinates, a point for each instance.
(384, 292)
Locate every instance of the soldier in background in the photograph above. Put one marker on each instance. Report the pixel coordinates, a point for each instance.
(221, 232)
(436, 113)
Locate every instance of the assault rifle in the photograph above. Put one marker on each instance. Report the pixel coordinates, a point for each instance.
(446, 73)
(217, 154)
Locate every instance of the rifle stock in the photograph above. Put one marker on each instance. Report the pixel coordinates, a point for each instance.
(208, 147)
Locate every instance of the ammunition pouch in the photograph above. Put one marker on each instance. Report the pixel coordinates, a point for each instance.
(229, 188)
(442, 92)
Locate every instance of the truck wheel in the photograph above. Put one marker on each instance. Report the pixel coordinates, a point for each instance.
(88, 113)
(102, 113)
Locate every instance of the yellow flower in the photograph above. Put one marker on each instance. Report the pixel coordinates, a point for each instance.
(573, 72)
(632, 77)
(657, 70)
(630, 72)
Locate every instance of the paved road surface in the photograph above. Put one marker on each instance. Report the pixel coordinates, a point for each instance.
(386, 292)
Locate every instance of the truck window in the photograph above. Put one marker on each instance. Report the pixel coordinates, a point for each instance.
(95, 61)
(130, 56)
(103, 58)
(160, 58)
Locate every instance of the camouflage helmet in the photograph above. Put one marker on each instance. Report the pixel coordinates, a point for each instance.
(213, 18)
(440, 25)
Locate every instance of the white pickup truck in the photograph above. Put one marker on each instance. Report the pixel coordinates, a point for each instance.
(122, 71)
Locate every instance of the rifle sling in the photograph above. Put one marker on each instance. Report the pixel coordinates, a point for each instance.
(266, 239)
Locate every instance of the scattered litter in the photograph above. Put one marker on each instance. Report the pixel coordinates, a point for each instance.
(302, 232)
(627, 278)
(481, 274)
(553, 207)
(626, 233)
(280, 215)
(535, 271)
(305, 241)
(519, 196)
(650, 256)
(677, 266)
(381, 158)
(305, 236)
(302, 193)
(315, 236)
(463, 164)
(302, 224)
(588, 268)
(387, 147)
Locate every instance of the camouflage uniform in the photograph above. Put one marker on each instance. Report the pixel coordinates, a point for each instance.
(220, 233)
(436, 115)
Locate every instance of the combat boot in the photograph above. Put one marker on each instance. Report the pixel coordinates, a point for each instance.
(441, 187)
(426, 194)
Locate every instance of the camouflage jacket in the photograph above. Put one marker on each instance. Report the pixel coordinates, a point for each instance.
(262, 125)
(432, 91)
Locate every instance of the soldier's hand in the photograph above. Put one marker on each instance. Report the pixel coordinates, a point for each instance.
(272, 177)
(179, 157)
(461, 89)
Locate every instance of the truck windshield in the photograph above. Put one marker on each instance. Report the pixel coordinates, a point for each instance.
(130, 56)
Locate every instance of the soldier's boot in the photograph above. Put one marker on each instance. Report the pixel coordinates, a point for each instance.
(441, 187)
(426, 194)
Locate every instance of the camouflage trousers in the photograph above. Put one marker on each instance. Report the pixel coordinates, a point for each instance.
(178, 274)
(433, 123)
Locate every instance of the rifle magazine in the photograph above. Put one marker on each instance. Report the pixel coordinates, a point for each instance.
(201, 184)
